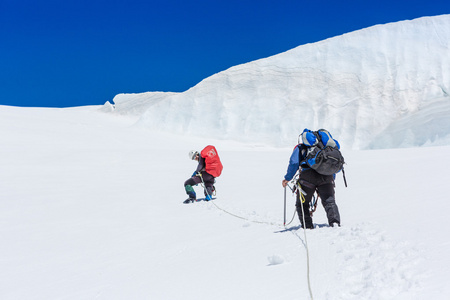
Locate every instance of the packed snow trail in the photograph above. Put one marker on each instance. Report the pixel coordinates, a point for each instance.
(362, 259)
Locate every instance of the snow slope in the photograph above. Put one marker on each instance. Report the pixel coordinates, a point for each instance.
(359, 85)
(91, 208)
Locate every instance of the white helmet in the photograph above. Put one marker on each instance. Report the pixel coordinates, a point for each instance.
(193, 154)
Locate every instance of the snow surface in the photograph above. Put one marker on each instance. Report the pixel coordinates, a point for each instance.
(91, 208)
(91, 202)
(361, 86)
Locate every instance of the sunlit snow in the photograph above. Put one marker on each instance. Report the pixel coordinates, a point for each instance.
(91, 197)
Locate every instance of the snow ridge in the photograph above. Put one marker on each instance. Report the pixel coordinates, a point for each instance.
(358, 85)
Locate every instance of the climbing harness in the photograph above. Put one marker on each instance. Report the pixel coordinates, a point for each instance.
(314, 200)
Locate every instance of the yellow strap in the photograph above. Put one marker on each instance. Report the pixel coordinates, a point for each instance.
(300, 191)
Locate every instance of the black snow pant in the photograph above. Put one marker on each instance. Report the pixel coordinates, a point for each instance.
(310, 182)
(194, 180)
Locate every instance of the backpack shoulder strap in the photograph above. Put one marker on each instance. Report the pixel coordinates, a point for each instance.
(319, 140)
(302, 149)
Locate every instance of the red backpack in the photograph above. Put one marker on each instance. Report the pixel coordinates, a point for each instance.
(212, 161)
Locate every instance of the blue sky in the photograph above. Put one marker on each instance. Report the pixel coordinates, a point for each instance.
(77, 52)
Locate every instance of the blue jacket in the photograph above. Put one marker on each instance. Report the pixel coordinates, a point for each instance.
(298, 157)
(294, 162)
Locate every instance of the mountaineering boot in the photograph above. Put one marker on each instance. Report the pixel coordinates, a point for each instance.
(308, 226)
(189, 200)
(208, 198)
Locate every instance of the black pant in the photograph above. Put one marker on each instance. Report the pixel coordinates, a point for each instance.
(310, 182)
(194, 180)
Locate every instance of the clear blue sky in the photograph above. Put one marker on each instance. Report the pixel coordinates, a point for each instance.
(60, 53)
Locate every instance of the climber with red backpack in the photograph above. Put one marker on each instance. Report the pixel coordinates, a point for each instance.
(209, 167)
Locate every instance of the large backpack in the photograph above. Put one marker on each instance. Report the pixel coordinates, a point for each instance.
(212, 161)
(323, 154)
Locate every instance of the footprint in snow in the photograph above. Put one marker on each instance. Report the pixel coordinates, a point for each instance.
(368, 265)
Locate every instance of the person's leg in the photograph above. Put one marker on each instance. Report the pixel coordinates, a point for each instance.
(208, 180)
(189, 186)
(326, 193)
(309, 191)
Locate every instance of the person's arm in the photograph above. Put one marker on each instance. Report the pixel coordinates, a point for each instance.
(292, 167)
(201, 164)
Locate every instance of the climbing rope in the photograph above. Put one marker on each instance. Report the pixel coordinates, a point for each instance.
(306, 240)
(232, 214)
(299, 189)
(293, 216)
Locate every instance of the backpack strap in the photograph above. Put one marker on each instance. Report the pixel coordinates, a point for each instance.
(319, 140)
(343, 174)
(302, 148)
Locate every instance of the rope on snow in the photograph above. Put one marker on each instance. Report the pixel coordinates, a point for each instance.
(271, 223)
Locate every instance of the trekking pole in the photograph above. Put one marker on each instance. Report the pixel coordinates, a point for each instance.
(343, 174)
(293, 216)
(284, 220)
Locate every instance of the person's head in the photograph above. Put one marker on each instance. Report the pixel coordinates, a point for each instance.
(193, 155)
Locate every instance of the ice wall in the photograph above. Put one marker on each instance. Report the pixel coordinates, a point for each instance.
(380, 87)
